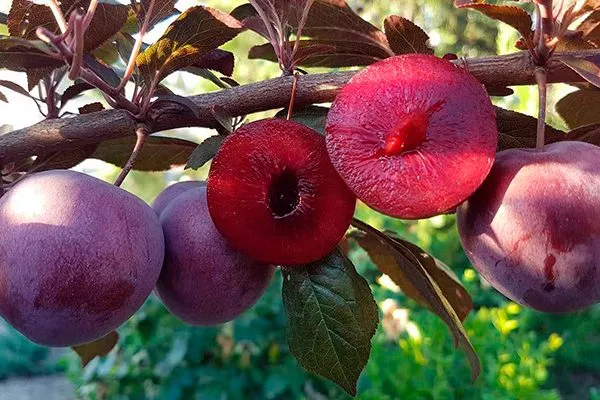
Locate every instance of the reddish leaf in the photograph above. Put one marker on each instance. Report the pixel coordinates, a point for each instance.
(73, 91)
(194, 34)
(334, 21)
(587, 133)
(590, 28)
(3, 98)
(158, 154)
(19, 54)
(101, 347)
(217, 60)
(586, 69)
(162, 9)
(405, 37)
(516, 130)
(15, 88)
(571, 110)
(574, 43)
(91, 108)
(35, 75)
(321, 53)
(63, 159)
(511, 15)
(108, 20)
(418, 273)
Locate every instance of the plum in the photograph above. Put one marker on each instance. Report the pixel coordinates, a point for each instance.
(273, 193)
(413, 136)
(167, 195)
(205, 281)
(78, 257)
(531, 228)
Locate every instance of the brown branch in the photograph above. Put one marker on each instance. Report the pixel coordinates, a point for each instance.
(69, 133)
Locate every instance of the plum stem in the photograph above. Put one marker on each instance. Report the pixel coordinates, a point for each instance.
(293, 96)
(541, 79)
(141, 132)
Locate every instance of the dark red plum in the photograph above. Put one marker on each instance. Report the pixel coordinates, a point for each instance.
(532, 229)
(273, 193)
(78, 257)
(205, 281)
(413, 136)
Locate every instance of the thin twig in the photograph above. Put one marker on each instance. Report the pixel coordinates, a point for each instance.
(136, 48)
(541, 79)
(141, 132)
(293, 96)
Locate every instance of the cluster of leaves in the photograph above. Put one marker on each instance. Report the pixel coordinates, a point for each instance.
(330, 303)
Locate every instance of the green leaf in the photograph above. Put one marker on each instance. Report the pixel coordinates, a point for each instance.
(158, 153)
(409, 267)
(332, 317)
(406, 37)
(205, 152)
(571, 110)
(315, 117)
(101, 347)
(194, 34)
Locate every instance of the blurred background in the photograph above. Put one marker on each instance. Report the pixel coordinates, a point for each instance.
(525, 354)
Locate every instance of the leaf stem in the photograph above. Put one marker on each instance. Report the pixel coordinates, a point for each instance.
(77, 59)
(142, 133)
(58, 15)
(136, 48)
(541, 79)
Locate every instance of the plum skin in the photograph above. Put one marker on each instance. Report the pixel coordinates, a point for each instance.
(78, 257)
(171, 192)
(413, 136)
(274, 194)
(531, 230)
(205, 281)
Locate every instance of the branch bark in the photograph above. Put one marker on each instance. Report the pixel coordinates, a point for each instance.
(68, 133)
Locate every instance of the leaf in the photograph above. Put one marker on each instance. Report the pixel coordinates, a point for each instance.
(3, 18)
(162, 10)
(586, 133)
(223, 118)
(19, 54)
(103, 70)
(217, 60)
(35, 75)
(73, 91)
(315, 117)
(333, 20)
(516, 17)
(194, 34)
(332, 317)
(321, 53)
(181, 100)
(15, 88)
(25, 17)
(586, 69)
(91, 108)
(158, 153)
(205, 152)
(590, 28)
(410, 267)
(571, 110)
(101, 347)
(405, 37)
(3, 98)
(516, 130)
(108, 19)
(63, 159)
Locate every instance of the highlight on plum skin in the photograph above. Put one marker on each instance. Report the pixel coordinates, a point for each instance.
(530, 228)
(274, 194)
(413, 136)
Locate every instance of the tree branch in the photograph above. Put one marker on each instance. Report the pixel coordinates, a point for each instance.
(68, 133)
